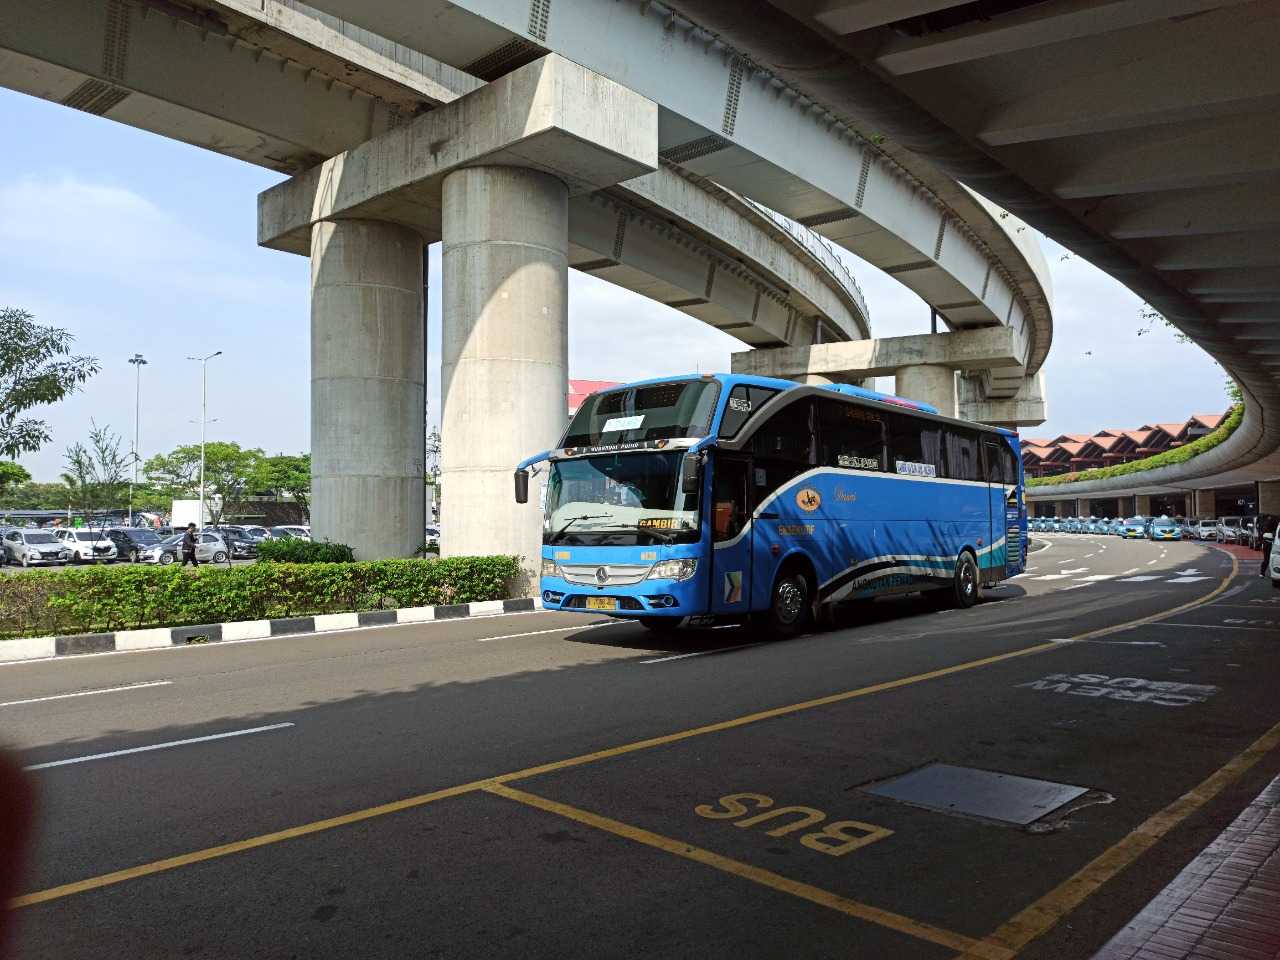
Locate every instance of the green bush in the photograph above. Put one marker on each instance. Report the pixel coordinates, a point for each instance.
(297, 550)
(41, 603)
(1167, 458)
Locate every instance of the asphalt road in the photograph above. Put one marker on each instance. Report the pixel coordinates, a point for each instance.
(554, 785)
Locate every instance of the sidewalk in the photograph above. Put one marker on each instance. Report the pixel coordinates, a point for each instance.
(1225, 905)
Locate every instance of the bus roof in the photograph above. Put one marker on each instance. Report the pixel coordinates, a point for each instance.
(734, 379)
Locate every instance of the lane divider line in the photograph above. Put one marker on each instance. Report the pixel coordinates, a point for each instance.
(705, 653)
(157, 746)
(1016, 933)
(86, 693)
(535, 633)
(210, 853)
(823, 898)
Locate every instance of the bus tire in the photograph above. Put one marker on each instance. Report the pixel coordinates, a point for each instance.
(790, 604)
(967, 587)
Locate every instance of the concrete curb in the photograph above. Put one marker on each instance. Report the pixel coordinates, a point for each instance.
(156, 638)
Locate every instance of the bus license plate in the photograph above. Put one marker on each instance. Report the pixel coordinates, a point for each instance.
(602, 603)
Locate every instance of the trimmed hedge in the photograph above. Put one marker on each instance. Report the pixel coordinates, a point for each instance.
(40, 603)
(1165, 459)
(297, 550)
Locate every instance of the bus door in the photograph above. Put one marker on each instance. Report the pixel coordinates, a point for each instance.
(993, 473)
(731, 534)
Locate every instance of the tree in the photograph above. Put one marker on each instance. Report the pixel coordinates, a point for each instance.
(36, 367)
(286, 474)
(98, 474)
(12, 475)
(229, 472)
(37, 496)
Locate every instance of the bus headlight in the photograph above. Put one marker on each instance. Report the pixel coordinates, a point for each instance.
(673, 569)
(550, 568)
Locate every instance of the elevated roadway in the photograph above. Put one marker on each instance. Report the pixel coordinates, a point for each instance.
(725, 116)
(1141, 135)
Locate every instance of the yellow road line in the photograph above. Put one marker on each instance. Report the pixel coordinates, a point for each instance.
(213, 853)
(317, 826)
(768, 878)
(1014, 934)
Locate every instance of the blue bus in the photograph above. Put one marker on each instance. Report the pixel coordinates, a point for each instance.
(726, 498)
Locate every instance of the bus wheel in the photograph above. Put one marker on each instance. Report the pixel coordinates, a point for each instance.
(661, 624)
(791, 605)
(968, 584)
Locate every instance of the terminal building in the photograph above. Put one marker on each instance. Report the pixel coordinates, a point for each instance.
(1076, 452)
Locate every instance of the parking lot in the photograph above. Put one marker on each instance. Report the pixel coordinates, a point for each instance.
(544, 783)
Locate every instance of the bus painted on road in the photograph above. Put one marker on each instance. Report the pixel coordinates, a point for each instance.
(711, 498)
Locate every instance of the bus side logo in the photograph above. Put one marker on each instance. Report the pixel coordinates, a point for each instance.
(808, 499)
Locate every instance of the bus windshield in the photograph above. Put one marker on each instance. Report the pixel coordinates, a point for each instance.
(620, 499)
(656, 411)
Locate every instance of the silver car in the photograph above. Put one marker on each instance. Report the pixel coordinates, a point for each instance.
(87, 546)
(210, 548)
(32, 547)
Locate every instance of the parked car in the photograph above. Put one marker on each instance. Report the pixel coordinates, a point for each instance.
(1275, 563)
(29, 547)
(1164, 529)
(1057, 525)
(1251, 533)
(1206, 529)
(1229, 530)
(131, 541)
(255, 531)
(210, 548)
(290, 532)
(87, 546)
(1135, 528)
(240, 544)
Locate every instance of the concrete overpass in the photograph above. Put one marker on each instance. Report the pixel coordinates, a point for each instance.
(1142, 135)
(276, 85)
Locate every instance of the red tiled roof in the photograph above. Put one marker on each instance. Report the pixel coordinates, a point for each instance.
(1072, 448)
(1210, 420)
(1172, 429)
(1106, 443)
(1139, 436)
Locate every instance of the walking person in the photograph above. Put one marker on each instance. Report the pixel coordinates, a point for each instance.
(189, 546)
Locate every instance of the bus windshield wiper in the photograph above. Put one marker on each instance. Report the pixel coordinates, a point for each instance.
(572, 520)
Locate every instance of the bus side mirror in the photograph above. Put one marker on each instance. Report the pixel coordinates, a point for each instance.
(690, 475)
(522, 486)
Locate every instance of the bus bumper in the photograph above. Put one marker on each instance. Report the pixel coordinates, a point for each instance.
(648, 598)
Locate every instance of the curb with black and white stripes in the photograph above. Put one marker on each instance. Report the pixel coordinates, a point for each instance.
(42, 648)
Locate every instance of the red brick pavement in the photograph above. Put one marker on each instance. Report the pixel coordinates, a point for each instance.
(1225, 905)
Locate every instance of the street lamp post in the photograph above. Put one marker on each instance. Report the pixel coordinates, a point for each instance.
(204, 410)
(138, 363)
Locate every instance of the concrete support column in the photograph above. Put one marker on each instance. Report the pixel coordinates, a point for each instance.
(1269, 497)
(1142, 505)
(367, 346)
(1062, 508)
(504, 352)
(815, 380)
(1206, 505)
(1084, 507)
(928, 383)
(1189, 506)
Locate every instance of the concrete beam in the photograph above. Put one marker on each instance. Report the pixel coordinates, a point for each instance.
(1034, 27)
(551, 116)
(1175, 213)
(1230, 52)
(962, 350)
(1027, 407)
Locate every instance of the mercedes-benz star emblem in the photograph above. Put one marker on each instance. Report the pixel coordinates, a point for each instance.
(602, 575)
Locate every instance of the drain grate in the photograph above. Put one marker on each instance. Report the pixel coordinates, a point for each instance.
(978, 793)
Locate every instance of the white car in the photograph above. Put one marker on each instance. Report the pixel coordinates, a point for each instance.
(29, 547)
(87, 546)
(1275, 561)
(210, 548)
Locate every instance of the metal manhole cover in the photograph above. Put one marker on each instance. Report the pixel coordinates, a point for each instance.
(978, 793)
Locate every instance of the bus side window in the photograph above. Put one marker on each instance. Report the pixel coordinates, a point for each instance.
(785, 445)
(851, 436)
(915, 441)
(741, 406)
(962, 454)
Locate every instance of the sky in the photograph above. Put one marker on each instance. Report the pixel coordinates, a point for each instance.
(139, 244)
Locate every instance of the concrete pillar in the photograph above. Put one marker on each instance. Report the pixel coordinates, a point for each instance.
(1083, 507)
(1206, 505)
(1142, 505)
(1269, 497)
(504, 351)
(1189, 505)
(928, 383)
(367, 345)
(1062, 508)
(815, 380)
